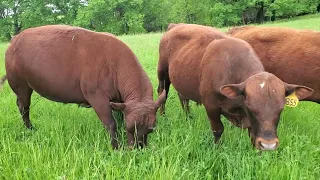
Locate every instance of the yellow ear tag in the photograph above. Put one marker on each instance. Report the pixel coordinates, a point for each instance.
(292, 100)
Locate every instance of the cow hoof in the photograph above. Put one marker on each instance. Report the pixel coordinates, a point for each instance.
(32, 128)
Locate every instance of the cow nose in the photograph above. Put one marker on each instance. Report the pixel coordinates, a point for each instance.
(267, 145)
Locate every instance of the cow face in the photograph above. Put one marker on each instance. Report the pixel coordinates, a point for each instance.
(263, 99)
(140, 118)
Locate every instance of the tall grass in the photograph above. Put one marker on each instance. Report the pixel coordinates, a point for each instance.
(71, 143)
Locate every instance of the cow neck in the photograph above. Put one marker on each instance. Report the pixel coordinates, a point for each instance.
(134, 84)
(243, 74)
(252, 65)
(252, 73)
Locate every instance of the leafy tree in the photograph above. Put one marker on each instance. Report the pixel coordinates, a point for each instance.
(139, 16)
(157, 14)
(5, 22)
(115, 16)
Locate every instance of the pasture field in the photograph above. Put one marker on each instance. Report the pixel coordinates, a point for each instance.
(70, 142)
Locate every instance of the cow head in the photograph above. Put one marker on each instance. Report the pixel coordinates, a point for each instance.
(140, 118)
(263, 98)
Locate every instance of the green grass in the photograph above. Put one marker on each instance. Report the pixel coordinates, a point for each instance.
(71, 143)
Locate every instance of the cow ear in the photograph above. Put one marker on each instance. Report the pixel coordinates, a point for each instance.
(118, 106)
(161, 99)
(301, 92)
(232, 90)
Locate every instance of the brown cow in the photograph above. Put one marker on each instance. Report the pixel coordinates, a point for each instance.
(74, 65)
(225, 75)
(292, 55)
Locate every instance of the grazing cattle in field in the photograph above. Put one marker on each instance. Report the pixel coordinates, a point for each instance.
(225, 75)
(74, 65)
(292, 55)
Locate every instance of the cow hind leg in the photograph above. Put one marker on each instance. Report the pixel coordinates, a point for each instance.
(23, 103)
(164, 83)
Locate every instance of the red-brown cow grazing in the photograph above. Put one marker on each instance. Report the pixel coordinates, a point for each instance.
(292, 55)
(225, 75)
(74, 65)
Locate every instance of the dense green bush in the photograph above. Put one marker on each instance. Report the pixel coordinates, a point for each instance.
(139, 16)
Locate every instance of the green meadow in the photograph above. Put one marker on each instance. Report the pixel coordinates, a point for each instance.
(71, 143)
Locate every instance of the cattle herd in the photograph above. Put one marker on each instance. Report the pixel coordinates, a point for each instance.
(247, 74)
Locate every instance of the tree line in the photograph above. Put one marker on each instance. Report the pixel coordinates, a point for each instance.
(141, 16)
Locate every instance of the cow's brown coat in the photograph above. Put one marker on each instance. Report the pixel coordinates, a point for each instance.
(225, 75)
(74, 65)
(292, 55)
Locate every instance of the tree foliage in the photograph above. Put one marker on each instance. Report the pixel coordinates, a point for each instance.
(139, 16)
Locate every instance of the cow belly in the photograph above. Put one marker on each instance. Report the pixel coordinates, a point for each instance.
(65, 95)
(185, 83)
(57, 88)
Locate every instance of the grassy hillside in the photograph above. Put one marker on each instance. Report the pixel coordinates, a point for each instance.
(71, 143)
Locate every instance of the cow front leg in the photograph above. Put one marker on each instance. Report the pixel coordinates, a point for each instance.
(214, 117)
(101, 105)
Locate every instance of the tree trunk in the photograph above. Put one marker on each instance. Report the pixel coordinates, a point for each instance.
(8, 36)
(273, 17)
(260, 13)
(17, 27)
(16, 24)
(126, 27)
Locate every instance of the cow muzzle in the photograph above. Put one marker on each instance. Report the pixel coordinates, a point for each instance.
(266, 145)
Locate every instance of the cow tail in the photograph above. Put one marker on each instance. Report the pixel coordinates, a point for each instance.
(2, 80)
